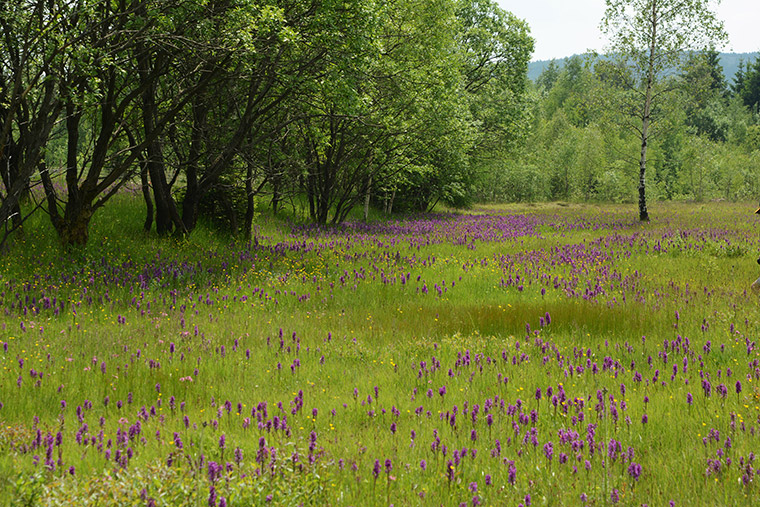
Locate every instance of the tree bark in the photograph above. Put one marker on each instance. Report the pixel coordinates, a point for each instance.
(229, 209)
(145, 184)
(9, 160)
(74, 230)
(197, 135)
(367, 198)
(73, 227)
(645, 117)
(275, 195)
(250, 203)
(166, 214)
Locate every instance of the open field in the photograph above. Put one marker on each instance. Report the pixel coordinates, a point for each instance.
(560, 355)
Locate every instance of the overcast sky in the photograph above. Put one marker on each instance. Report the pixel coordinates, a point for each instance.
(566, 27)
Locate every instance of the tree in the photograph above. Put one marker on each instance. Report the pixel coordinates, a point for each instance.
(410, 103)
(29, 102)
(705, 93)
(571, 92)
(170, 87)
(273, 49)
(356, 114)
(548, 77)
(738, 84)
(649, 37)
(104, 78)
(494, 47)
(750, 85)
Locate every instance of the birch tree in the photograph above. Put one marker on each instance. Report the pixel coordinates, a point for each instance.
(648, 38)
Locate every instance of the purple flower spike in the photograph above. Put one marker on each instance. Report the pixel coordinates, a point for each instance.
(549, 450)
(634, 470)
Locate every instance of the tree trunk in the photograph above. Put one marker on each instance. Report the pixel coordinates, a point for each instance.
(197, 136)
(159, 183)
(9, 160)
(388, 209)
(275, 195)
(190, 203)
(73, 226)
(229, 209)
(74, 229)
(643, 213)
(367, 198)
(250, 203)
(155, 160)
(145, 184)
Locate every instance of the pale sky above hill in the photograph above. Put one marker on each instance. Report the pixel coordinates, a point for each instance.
(566, 27)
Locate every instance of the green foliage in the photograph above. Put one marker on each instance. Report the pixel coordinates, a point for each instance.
(548, 77)
(23, 490)
(586, 132)
(748, 88)
(648, 38)
(705, 87)
(680, 26)
(332, 102)
(211, 106)
(514, 181)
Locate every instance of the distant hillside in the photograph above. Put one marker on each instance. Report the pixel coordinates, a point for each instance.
(729, 61)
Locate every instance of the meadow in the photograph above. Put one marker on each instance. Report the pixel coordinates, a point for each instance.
(534, 355)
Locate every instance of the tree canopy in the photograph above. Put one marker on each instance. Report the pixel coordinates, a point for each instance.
(209, 103)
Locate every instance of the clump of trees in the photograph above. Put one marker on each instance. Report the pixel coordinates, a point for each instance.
(208, 105)
(705, 146)
(650, 119)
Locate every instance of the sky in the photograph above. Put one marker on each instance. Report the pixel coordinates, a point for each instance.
(567, 27)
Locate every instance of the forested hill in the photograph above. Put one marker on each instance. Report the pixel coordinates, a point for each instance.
(729, 61)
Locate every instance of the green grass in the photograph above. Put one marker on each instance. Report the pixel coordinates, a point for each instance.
(611, 286)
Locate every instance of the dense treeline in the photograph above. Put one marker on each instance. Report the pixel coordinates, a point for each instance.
(209, 105)
(706, 143)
